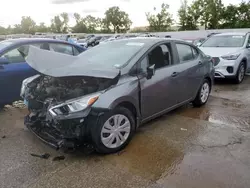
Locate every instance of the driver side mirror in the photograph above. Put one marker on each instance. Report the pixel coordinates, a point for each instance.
(4, 60)
(150, 71)
(248, 46)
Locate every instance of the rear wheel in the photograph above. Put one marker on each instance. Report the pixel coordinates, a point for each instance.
(240, 73)
(203, 94)
(113, 131)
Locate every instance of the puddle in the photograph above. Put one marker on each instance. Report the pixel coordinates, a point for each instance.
(147, 157)
(224, 112)
(204, 170)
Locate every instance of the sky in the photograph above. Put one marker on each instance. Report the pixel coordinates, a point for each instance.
(44, 10)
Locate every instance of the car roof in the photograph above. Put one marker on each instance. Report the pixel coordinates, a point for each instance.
(150, 40)
(231, 33)
(31, 40)
(23, 41)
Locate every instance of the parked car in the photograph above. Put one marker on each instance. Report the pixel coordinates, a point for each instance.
(94, 41)
(108, 91)
(195, 41)
(211, 34)
(84, 41)
(14, 69)
(231, 54)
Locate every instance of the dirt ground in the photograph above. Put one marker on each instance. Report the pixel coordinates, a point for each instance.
(206, 147)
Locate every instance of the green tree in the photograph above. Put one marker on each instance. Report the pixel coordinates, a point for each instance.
(17, 29)
(91, 23)
(210, 12)
(28, 26)
(80, 26)
(243, 15)
(59, 24)
(42, 28)
(117, 20)
(229, 17)
(3, 30)
(160, 21)
(188, 17)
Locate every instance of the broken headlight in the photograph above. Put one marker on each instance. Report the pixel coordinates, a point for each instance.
(74, 105)
(25, 82)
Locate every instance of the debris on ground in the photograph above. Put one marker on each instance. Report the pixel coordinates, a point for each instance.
(59, 158)
(43, 156)
(3, 136)
(18, 104)
(182, 129)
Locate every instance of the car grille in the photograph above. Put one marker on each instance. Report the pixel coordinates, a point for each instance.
(215, 60)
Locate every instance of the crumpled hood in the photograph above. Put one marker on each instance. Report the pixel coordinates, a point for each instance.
(61, 65)
(217, 51)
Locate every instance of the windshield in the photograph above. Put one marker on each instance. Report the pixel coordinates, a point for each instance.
(116, 53)
(4, 44)
(224, 41)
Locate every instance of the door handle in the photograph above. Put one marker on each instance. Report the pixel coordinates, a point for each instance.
(200, 63)
(174, 74)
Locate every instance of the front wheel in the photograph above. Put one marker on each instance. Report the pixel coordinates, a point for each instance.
(113, 131)
(203, 94)
(240, 73)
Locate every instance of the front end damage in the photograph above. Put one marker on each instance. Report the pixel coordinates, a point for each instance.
(60, 107)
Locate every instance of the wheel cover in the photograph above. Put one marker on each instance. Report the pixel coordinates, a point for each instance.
(205, 89)
(115, 131)
(241, 73)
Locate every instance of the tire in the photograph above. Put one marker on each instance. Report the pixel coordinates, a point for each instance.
(205, 89)
(101, 132)
(240, 73)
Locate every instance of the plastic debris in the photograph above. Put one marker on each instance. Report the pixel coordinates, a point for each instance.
(59, 158)
(43, 156)
(182, 129)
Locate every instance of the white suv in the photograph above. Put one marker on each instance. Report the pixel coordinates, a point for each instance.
(231, 54)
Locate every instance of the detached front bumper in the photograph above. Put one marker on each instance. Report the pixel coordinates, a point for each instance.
(49, 135)
(64, 134)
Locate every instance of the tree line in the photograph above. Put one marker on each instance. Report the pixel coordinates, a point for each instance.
(211, 14)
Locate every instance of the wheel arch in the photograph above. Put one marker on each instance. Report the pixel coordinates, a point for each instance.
(131, 105)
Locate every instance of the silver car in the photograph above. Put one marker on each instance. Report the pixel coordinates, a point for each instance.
(104, 94)
(231, 54)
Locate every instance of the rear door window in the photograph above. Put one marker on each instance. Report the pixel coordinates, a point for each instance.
(14, 56)
(62, 48)
(186, 52)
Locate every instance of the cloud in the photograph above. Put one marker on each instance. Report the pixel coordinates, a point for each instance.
(61, 2)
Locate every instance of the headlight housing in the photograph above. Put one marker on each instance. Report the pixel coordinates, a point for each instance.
(25, 82)
(74, 105)
(231, 57)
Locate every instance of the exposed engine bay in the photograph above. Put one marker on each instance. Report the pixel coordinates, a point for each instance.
(46, 88)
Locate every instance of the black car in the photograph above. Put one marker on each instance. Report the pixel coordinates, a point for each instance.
(94, 41)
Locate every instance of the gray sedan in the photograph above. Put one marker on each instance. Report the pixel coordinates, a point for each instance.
(104, 94)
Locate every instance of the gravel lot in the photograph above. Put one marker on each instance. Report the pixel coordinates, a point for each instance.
(207, 147)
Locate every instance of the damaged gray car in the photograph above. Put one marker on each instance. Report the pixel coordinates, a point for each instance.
(102, 95)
